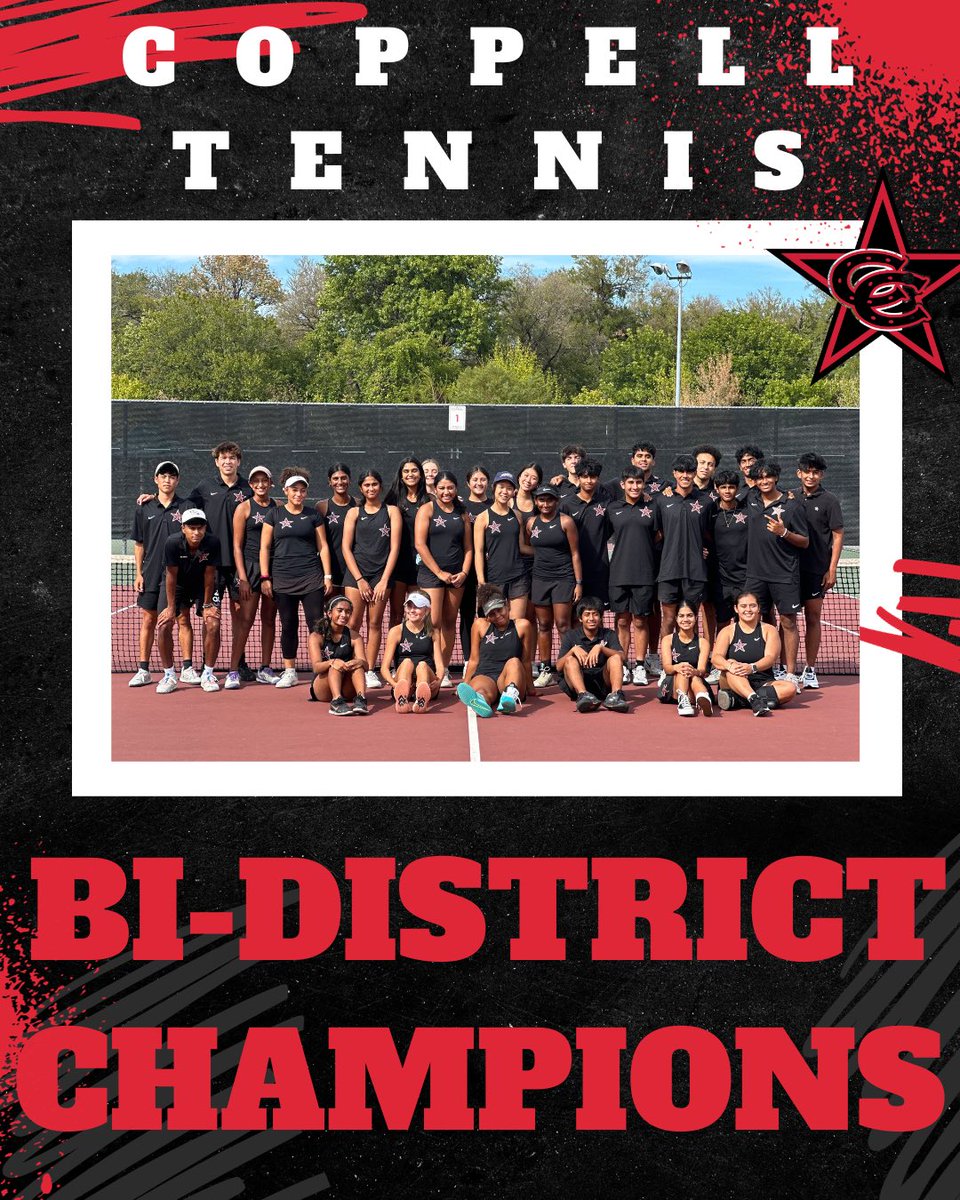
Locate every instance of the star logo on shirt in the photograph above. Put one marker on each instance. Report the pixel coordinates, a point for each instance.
(777, 511)
(654, 487)
(494, 526)
(384, 530)
(646, 512)
(333, 518)
(740, 519)
(439, 522)
(675, 655)
(203, 556)
(286, 523)
(491, 638)
(599, 510)
(740, 645)
(328, 652)
(239, 497)
(406, 646)
(258, 518)
(176, 517)
(696, 506)
(536, 532)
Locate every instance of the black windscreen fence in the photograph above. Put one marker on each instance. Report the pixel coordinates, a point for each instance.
(501, 437)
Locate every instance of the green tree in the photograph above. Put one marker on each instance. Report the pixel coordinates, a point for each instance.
(638, 368)
(512, 375)
(393, 367)
(236, 277)
(762, 350)
(297, 313)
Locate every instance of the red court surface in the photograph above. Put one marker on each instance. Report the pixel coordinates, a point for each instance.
(191, 725)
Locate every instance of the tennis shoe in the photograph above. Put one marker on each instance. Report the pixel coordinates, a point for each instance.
(705, 704)
(627, 676)
(640, 675)
(446, 681)
(142, 678)
(779, 672)
(232, 681)
(288, 678)
(507, 704)
(208, 681)
(472, 699)
(340, 708)
(247, 673)
(616, 702)
(401, 701)
(167, 684)
(725, 699)
(372, 680)
(808, 679)
(714, 676)
(587, 702)
(423, 698)
(544, 679)
(189, 675)
(360, 708)
(684, 707)
(760, 707)
(267, 675)
(789, 677)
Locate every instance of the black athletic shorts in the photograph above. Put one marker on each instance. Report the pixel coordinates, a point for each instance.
(672, 591)
(253, 578)
(811, 586)
(545, 592)
(784, 596)
(724, 597)
(427, 579)
(184, 601)
(593, 682)
(350, 582)
(634, 598)
(150, 601)
(516, 589)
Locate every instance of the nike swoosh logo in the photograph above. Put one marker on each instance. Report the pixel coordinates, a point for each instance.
(151, 518)
(669, 506)
(213, 493)
(794, 605)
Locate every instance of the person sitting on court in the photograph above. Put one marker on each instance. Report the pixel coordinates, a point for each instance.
(591, 661)
(339, 661)
(500, 669)
(413, 658)
(192, 562)
(685, 656)
(745, 654)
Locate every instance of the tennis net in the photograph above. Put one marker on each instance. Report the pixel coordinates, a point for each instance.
(839, 648)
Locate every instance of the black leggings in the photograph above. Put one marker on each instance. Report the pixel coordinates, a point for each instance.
(289, 609)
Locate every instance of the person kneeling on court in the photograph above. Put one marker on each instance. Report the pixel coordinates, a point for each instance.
(339, 661)
(413, 657)
(191, 562)
(500, 670)
(591, 661)
(745, 654)
(684, 655)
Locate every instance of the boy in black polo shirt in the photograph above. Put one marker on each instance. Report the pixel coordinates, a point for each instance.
(588, 507)
(682, 519)
(153, 522)
(777, 532)
(631, 531)
(727, 525)
(192, 560)
(818, 562)
(591, 661)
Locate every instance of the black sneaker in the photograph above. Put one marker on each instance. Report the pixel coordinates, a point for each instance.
(360, 706)
(616, 702)
(247, 673)
(760, 707)
(587, 702)
(340, 708)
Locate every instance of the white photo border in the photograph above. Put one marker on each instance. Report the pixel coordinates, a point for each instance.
(878, 772)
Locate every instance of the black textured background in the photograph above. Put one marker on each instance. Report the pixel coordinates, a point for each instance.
(51, 175)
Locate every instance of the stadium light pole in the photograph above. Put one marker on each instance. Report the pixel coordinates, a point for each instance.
(682, 276)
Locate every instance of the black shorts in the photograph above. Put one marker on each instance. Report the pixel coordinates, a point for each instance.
(226, 584)
(724, 597)
(150, 601)
(253, 578)
(635, 598)
(599, 587)
(515, 589)
(672, 591)
(784, 596)
(350, 582)
(593, 682)
(811, 585)
(427, 579)
(184, 601)
(545, 592)
(406, 569)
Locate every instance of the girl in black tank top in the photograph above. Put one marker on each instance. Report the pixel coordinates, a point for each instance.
(412, 660)
(337, 658)
(445, 547)
(745, 653)
(335, 512)
(501, 650)
(685, 657)
(248, 520)
(371, 543)
(409, 493)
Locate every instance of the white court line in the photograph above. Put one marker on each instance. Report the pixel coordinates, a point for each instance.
(853, 632)
(473, 735)
(126, 608)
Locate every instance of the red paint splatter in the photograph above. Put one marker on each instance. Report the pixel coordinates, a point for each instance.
(46, 1183)
(42, 54)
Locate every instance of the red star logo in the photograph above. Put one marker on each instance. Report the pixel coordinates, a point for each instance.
(696, 506)
(239, 497)
(333, 518)
(258, 518)
(740, 645)
(494, 526)
(740, 518)
(880, 287)
(286, 523)
(646, 512)
(176, 518)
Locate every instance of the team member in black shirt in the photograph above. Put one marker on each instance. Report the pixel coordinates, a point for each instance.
(248, 520)
(408, 493)
(338, 661)
(591, 661)
(443, 538)
(557, 576)
(746, 652)
(747, 458)
(818, 562)
(631, 534)
(153, 522)
(682, 520)
(588, 507)
(777, 532)
(500, 547)
(571, 456)
(192, 561)
(685, 655)
(707, 459)
(727, 526)
(293, 537)
(334, 511)
(499, 670)
(412, 658)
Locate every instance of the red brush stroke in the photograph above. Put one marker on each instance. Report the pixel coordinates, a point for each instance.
(84, 45)
(917, 643)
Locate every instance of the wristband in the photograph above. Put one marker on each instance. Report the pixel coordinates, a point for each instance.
(265, 578)
(328, 576)
(785, 532)
(578, 582)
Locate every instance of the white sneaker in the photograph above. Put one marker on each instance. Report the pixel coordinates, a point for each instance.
(208, 681)
(640, 674)
(808, 679)
(660, 678)
(789, 677)
(142, 678)
(288, 678)
(684, 707)
(373, 680)
(167, 684)
(652, 663)
(446, 681)
(544, 679)
(232, 681)
(779, 672)
(714, 676)
(267, 675)
(189, 675)
(627, 676)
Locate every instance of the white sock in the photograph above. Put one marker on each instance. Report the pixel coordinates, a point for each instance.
(512, 690)
(169, 670)
(207, 670)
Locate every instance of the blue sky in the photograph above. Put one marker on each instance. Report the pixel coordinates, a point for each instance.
(728, 277)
